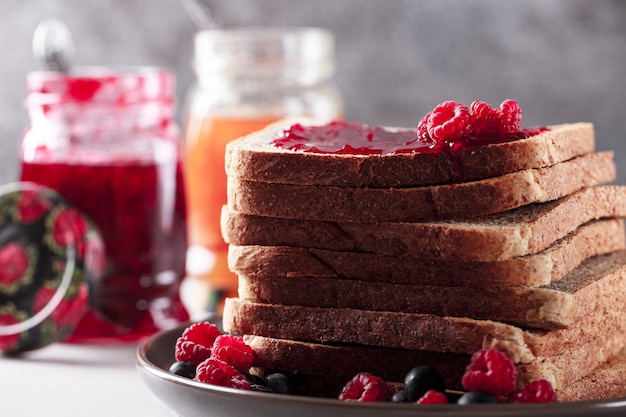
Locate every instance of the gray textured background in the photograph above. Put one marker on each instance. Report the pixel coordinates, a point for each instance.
(563, 60)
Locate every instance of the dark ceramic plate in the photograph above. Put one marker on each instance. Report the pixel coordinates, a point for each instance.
(189, 398)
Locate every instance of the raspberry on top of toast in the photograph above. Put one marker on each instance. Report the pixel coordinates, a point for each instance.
(450, 127)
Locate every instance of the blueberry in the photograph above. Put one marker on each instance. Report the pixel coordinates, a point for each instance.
(183, 368)
(421, 379)
(400, 397)
(477, 397)
(278, 382)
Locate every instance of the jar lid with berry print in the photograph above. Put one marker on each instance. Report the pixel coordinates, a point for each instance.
(51, 257)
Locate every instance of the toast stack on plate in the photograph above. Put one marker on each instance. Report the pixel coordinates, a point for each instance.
(358, 259)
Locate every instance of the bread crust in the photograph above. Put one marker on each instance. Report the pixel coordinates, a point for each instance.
(337, 364)
(373, 328)
(254, 158)
(520, 232)
(594, 238)
(421, 204)
(606, 382)
(459, 335)
(424, 332)
(344, 361)
(598, 283)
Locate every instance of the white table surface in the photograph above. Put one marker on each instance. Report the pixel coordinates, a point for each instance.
(76, 380)
(86, 380)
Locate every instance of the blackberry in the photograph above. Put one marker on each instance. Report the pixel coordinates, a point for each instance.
(421, 379)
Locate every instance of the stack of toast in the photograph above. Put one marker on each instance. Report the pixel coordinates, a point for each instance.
(356, 262)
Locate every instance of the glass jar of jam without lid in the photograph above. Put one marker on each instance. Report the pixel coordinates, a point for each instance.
(105, 140)
(246, 79)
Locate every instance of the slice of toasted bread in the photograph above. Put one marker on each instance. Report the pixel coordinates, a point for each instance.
(419, 204)
(345, 361)
(606, 382)
(420, 331)
(523, 231)
(597, 283)
(594, 238)
(342, 361)
(255, 158)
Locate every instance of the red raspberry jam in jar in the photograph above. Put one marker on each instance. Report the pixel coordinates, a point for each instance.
(105, 140)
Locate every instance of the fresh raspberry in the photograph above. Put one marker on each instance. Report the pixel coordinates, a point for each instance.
(490, 371)
(447, 121)
(484, 119)
(195, 344)
(234, 351)
(511, 115)
(422, 127)
(214, 371)
(539, 391)
(433, 397)
(364, 387)
(487, 120)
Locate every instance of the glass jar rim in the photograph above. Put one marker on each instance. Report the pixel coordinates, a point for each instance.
(127, 84)
(264, 49)
(254, 33)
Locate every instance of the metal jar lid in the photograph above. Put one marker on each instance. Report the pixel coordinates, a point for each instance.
(51, 255)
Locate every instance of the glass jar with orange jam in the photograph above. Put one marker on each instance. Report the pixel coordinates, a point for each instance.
(246, 79)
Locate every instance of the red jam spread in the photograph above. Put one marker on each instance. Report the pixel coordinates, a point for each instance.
(339, 137)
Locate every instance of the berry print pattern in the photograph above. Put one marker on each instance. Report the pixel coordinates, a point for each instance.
(37, 229)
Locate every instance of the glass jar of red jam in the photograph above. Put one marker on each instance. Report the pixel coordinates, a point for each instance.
(105, 140)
